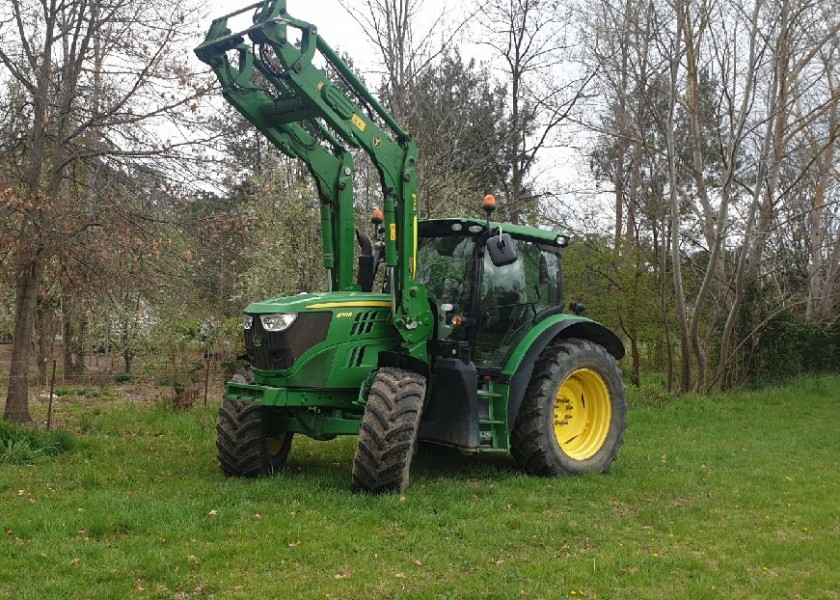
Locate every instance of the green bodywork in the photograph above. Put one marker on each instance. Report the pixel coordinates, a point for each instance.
(320, 392)
(315, 374)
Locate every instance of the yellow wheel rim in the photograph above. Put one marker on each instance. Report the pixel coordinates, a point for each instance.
(582, 413)
(273, 445)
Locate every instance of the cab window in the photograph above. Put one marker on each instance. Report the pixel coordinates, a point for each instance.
(512, 295)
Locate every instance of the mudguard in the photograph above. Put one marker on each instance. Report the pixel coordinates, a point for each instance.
(520, 365)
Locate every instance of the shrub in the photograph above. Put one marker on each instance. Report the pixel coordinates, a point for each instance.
(651, 394)
(124, 377)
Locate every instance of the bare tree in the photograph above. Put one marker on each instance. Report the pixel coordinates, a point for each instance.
(628, 116)
(531, 41)
(737, 79)
(822, 141)
(676, 50)
(99, 76)
(446, 103)
(795, 36)
(407, 51)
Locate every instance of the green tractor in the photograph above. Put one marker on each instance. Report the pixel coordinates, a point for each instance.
(466, 344)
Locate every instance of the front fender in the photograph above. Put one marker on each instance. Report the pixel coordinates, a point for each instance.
(520, 365)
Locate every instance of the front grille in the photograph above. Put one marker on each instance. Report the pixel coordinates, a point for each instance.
(357, 355)
(276, 351)
(364, 322)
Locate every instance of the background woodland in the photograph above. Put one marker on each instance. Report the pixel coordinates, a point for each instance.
(140, 215)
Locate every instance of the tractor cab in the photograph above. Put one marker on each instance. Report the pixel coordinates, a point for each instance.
(486, 300)
(481, 306)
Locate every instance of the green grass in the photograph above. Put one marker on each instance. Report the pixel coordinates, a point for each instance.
(731, 496)
(21, 445)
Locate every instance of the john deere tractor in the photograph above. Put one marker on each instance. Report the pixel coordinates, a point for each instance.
(465, 342)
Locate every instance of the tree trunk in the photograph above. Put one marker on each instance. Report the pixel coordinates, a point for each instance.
(73, 335)
(818, 280)
(44, 338)
(674, 201)
(28, 282)
(635, 375)
(618, 177)
(66, 352)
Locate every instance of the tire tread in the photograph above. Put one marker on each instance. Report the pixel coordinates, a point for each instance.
(240, 437)
(389, 431)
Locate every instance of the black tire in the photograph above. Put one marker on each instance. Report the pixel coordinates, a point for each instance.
(546, 439)
(388, 432)
(244, 447)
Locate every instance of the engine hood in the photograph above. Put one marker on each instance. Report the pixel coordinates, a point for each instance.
(319, 301)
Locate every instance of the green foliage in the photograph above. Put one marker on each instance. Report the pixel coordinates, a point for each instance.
(620, 288)
(124, 377)
(285, 258)
(21, 445)
(788, 347)
(779, 345)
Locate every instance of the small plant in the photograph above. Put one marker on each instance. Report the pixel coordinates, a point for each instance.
(20, 445)
(17, 452)
(184, 396)
(86, 424)
(124, 377)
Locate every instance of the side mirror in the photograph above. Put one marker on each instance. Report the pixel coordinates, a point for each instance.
(502, 250)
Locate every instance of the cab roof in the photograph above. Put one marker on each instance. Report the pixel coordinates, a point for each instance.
(443, 227)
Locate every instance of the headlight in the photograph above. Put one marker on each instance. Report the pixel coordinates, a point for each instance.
(278, 322)
(247, 321)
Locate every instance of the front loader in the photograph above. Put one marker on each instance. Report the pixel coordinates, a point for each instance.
(466, 343)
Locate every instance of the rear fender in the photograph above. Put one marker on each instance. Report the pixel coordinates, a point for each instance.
(519, 367)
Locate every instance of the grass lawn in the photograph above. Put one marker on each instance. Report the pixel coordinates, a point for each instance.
(731, 496)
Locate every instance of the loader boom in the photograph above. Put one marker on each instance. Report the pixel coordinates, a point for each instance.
(318, 116)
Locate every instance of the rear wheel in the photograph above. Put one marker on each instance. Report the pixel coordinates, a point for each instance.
(573, 416)
(388, 432)
(244, 446)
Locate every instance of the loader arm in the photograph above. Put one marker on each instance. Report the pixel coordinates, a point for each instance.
(267, 74)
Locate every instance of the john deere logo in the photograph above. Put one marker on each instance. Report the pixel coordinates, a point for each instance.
(257, 340)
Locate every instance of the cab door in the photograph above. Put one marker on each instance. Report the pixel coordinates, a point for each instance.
(511, 296)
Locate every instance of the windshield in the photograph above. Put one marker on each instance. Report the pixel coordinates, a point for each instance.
(446, 265)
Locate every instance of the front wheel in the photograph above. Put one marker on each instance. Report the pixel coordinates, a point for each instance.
(245, 447)
(389, 431)
(574, 413)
